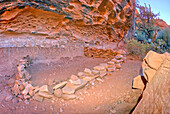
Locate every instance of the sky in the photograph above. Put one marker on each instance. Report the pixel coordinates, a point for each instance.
(162, 6)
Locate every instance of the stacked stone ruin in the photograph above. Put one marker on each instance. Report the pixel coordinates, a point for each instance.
(102, 53)
(65, 89)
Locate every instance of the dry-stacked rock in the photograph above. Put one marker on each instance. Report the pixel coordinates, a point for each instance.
(24, 90)
(81, 19)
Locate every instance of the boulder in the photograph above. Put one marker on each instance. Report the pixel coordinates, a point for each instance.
(156, 96)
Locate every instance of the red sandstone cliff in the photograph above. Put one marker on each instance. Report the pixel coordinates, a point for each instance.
(77, 19)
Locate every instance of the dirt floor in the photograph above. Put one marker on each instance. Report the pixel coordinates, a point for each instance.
(113, 95)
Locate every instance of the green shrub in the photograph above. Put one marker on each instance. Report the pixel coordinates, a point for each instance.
(137, 48)
(163, 39)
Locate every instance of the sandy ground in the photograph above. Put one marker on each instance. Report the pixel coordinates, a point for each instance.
(113, 95)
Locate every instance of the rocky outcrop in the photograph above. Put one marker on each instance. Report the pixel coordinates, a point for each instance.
(156, 96)
(161, 23)
(78, 19)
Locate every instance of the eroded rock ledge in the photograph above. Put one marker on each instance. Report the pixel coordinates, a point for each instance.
(78, 19)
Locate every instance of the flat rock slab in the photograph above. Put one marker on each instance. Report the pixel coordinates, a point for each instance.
(138, 83)
(38, 98)
(68, 97)
(99, 68)
(43, 88)
(45, 95)
(60, 85)
(68, 90)
(80, 86)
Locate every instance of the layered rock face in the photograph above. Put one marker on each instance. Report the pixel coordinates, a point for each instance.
(77, 19)
(156, 95)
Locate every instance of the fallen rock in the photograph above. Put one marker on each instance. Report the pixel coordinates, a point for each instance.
(15, 90)
(111, 63)
(118, 56)
(103, 74)
(60, 85)
(87, 71)
(76, 82)
(87, 78)
(68, 97)
(79, 86)
(68, 90)
(122, 52)
(21, 87)
(118, 66)
(114, 60)
(111, 69)
(27, 89)
(80, 74)
(138, 83)
(99, 68)
(104, 64)
(74, 78)
(95, 72)
(20, 68)
(18, 82)
(10, 82)
(20, 97)
(45, 94)
(28, 77)
(43, 88)
(58, 93)
(38, 98)
(8, 98)
(99, 79)
(27, 97)
(31, 92)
